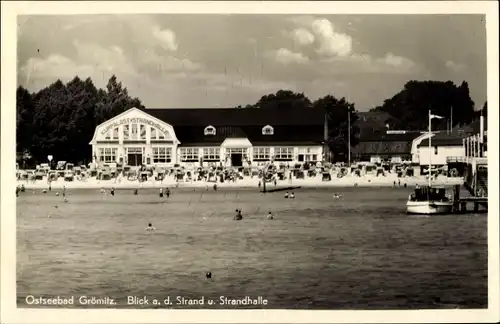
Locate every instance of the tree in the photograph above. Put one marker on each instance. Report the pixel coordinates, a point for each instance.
(60, 119)
(410, 106)
(283, 99)
(338, 111)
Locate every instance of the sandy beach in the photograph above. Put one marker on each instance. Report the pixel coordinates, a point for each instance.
(247, 182)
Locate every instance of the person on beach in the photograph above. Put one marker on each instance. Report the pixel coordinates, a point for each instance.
(286, 195)
(150, 228)
(167, 192)
(64, 191)
(136, 192)
(17, 191)
(112, 191)
(270, 216)
(50, 185)
(292, 196)
(215, 187)
(161, 192)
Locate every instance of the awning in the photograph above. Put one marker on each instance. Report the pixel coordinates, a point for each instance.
(236, 143)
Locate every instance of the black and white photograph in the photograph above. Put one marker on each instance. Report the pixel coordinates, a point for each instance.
(188, 159)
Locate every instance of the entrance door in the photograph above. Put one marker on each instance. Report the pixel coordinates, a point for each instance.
(134, 159)
(237, 159)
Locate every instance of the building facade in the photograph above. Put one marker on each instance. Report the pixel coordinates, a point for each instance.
(443, 147)
(210, 137)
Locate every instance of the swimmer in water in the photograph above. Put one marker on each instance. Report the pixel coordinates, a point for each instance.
(64, 191)
(238, 215)
(167, 192)
(292, 196)
(161, 193)
(215, 187)
(57, 194)
(112, 191)
(150, 228)
(270, 216)
(286, 195)
(65, 199)
(136, 192)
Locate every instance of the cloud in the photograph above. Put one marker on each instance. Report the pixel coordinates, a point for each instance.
(285, 56)
(457, 67)
(302, 36)
(397, 61)
(167, 38)
(331, 42)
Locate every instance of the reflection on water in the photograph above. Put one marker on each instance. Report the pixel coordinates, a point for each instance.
(357, 252)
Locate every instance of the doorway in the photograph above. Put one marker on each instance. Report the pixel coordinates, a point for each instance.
(236, 159)
(134, 159)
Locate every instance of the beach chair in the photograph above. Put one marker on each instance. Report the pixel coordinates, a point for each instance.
(69, 176)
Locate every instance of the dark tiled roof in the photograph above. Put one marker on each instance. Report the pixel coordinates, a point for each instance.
(444, 139)
(382, 136)
(282, 134)
(290, 116)
(291, 124)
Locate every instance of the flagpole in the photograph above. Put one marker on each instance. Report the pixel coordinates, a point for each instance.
(349, 137)
(430, 146)
(451, 119)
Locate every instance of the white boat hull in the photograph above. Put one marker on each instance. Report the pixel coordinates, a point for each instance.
(429, 207)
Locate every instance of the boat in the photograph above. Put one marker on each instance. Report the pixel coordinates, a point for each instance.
(429, 200)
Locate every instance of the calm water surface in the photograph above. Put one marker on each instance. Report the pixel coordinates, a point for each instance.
(357, 252)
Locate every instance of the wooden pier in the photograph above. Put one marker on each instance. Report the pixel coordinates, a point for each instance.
(460, 203)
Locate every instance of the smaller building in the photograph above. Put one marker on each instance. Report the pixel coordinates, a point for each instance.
(443, 146)
(383, 145)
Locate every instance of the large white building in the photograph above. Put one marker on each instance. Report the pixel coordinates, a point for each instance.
(196, 137)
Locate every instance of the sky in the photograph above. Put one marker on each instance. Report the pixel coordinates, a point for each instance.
(221, 60)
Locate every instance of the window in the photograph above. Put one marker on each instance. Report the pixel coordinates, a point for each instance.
(108, 135)
(126, 132)
(134, 131)
(305, 155)
(162, 154)
(153, 133)
(209, 130)
(283, 153)
(142, 129)
(107, 155)
(267, 130)
(261, 153)
(161, 135)
(211, 154)
(115, 133)
(189, 154)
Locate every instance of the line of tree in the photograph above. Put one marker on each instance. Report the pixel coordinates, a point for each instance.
(409, 108)
(60, 119)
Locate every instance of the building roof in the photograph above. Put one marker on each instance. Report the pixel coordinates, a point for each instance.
(291, 124)
(445, 139)
(282, 134)
(274, 116)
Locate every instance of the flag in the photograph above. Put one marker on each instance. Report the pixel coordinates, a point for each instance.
(436, 116)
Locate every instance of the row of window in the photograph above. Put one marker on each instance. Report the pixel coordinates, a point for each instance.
(210, 154)
(135, 132)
